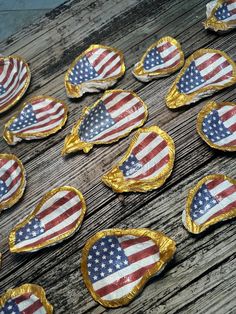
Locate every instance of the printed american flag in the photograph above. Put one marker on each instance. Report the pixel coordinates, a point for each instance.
(40, 115)
(58, 215)
(164, 56)
(116, 264)
(227, 11)
(13, 77)
(219, 126)
(117, 113)
(97, 64)
(148, 158)
(208, 69)
(10, 178)
(26, 303)
(214, 197)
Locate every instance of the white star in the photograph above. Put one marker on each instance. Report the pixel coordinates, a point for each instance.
(109, 270)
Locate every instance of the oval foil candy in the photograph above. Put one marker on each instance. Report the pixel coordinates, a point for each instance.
(216, 124)
(14, 80)
(117, 263)
(111, 118)
(12, 180)
(221, 15)
(39, 117)
(97, 68)
(147, 163)
(205, 72)
(213, 199)
(161, 59)
(57, 216)
(26, 299)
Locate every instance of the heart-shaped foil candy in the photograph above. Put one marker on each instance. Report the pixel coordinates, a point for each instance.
(147, 163)
(26, 299)
(117, 263)
(161, 59)
(216, 124)
(111, 118)
(39, 117)
(14, 80)
(58, 216)
(12, 180)
(213, 199)
(205, 72)
(97, 68)
(221, 15)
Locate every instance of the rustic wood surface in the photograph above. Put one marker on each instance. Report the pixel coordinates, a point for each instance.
(201, 278)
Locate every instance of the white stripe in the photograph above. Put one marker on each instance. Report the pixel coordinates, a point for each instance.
(14, 71)
(125, 107)
(119, 124)
(41, 104)
(139, 247)
(104, 60)
(61, 210)
(11, 191)
(52, 200)
(13, 175)
(40, 311)
(108, 67)
(226, 140)
(124, 290)
(167, 51)
(6, 166)
(27, 303)
(95, 55)
(50, 111)
(126, 271)
(45, 128)
(211, 67)
(57, 229)
(5, 69)
(203, 58)
(220, 187)
(115, 100)
(230, 18)
(154, 174)
(166, 64)
(13, 84)
(147, 149)
(231, 6)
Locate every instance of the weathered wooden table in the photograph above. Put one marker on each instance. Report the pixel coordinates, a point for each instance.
(201, 278)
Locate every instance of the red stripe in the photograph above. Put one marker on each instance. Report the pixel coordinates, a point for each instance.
(105, 65)
(91, 52)
(63, 216)
(224, 77)
(164, 47)
(9, 70)
(231, 1)
(33, 307)
(18, 178)
(223, 210)
(9, 171)
(171, 55)
(216, 70)
(123, 127)
(232, 128)
(113, 69)
(143, 254)
(130, 242)
(45, 108)
(3, 162)
(2, 63)
(208, 62)
(58, 203)
(124, 281)
(100, 57)
(22, 298)
(120, 103)
(156, 150)
(126, 113)
(228, 114)
(173, 64)
(232, 143)
(230, 190)
(212, 184)
(111, 97)
(150, 171)
(144, 143)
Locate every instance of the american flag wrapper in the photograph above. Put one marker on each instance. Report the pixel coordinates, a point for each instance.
(111, 118)
(147, 163)
(161, 59)
(14, 80)
(38, 118)
(12, 180)
(25, 299)
(221, 15)
(212, 200)
(117, 263)
(205, 72)
(97, 68)
(216, 124)
(57, 216)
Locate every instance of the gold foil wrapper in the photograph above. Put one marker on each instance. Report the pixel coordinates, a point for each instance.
(27, 289)
(73, 142)
(60, 234)
(93, 85)
(175, 99)
(25, 86)
(116, 180)
(212, 22)
(203, 113)
(17, 194)
(196, 228)
(13, 138)
(143, 75)
(166, 248)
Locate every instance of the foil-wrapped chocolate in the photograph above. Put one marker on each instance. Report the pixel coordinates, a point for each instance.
(205, 72)
(212, 200)
(14, 80)
(117, 263)
(38, 118)
(161, 59)
(216, 124)
(26, 299)
(221, 15)
(57, 216)
(12, 180)
(97, 68)
(111, 118)
(147, 163)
